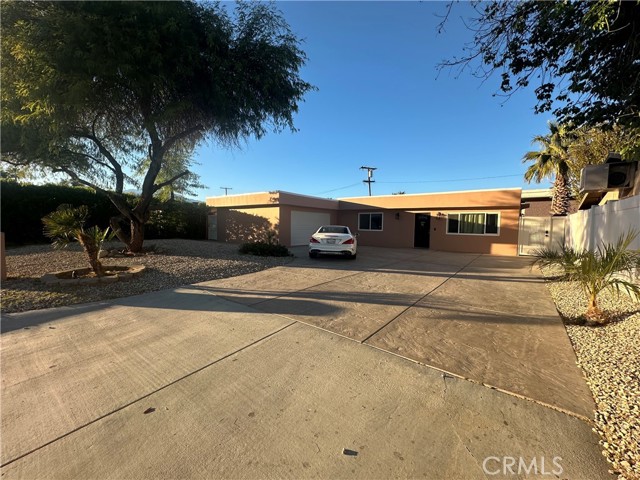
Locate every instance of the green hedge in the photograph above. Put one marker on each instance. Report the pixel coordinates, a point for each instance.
(23, 206)
(264, 249)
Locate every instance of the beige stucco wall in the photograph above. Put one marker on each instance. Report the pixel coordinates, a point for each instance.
(396, 233)
(248, 217)
(505, 243)
(400, 232)
(237, 225)
(259, 199)
(472, 199)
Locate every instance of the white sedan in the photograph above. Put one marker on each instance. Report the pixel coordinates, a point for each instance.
(333, 240)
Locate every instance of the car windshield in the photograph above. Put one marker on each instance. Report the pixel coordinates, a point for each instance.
(333, 230)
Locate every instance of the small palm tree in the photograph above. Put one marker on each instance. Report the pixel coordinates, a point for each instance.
(597, 271)
(66, 225)
(552, 161)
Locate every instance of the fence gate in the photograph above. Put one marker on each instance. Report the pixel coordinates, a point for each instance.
(212, 221)
(540, 232)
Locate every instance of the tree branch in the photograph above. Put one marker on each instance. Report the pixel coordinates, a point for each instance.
(169, 142)
(117, 199)
(170, 181)
(117, 168)
(91, 157)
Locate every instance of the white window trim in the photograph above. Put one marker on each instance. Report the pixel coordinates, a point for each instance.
(474, 234)
(369, 229)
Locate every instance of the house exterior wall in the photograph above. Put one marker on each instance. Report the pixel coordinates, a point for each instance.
(247, 224)
(505, 243)
(472, 199)
(541, 207)
(396, 233)
(400, 232)
(247, 217)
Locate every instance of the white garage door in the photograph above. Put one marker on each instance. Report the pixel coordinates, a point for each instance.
(304, 224)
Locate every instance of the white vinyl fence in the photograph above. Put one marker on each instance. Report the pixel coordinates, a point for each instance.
(586, 229)
(540, 232)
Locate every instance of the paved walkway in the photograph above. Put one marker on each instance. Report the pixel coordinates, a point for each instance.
(273, 374)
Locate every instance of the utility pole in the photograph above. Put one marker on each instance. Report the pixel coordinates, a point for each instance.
(226, 189)
(369, 175)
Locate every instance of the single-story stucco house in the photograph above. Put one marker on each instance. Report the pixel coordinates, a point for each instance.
(476, 221)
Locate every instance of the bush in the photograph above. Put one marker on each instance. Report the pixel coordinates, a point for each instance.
(606, 268)
(264, 249)
(23, 207)
(177, 219)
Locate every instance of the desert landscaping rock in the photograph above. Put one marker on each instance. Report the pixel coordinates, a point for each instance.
(172, 263)
(610, 358)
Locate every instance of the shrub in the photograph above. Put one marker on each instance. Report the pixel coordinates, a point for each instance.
(264, 249)
(596, 271)
(24, 205)
(177, 219)
(66, 225)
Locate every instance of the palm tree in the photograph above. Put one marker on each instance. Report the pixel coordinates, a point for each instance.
(596, 271)
(552, 161)
(66, 224)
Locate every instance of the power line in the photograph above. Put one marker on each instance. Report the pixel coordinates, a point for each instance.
(226, 189)
(423, 181)
(339, 188)
(458, 179)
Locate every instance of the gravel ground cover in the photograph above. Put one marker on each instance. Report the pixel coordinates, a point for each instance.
(610, 359)
(171, 264)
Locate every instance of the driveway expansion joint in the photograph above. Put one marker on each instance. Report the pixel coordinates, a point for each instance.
(450, 375)
(145, 396)
(419, 300)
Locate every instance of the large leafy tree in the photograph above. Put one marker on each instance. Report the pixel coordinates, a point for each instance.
(176, 163)
(583, 58)
(591, 146)
(95, 89)
(551, 161)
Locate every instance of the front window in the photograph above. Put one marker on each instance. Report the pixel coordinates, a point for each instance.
(473, 223)
(370, 221)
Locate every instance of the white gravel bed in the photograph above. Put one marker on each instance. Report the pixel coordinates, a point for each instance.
(610, 359)
(173, 263)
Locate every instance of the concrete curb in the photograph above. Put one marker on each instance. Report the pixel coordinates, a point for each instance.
(129, 273)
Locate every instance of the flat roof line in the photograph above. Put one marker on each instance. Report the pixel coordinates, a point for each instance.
(240, 194)
(434, 193)
(308, 196)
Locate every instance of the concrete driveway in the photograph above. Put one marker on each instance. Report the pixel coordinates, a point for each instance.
(425, 364)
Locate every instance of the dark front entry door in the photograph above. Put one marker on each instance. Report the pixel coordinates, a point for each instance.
(421, 238)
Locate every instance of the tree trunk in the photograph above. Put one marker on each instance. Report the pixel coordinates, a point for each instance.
(92, 252)
(116, 226)
(593, 311)
(137, 236)
(561, 194)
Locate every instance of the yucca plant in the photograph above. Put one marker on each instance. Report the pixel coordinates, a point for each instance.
(66, 225)
(609, 267)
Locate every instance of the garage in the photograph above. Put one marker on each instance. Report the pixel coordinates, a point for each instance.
(304, 224)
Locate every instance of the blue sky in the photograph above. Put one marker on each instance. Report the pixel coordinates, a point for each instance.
(382, 102)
